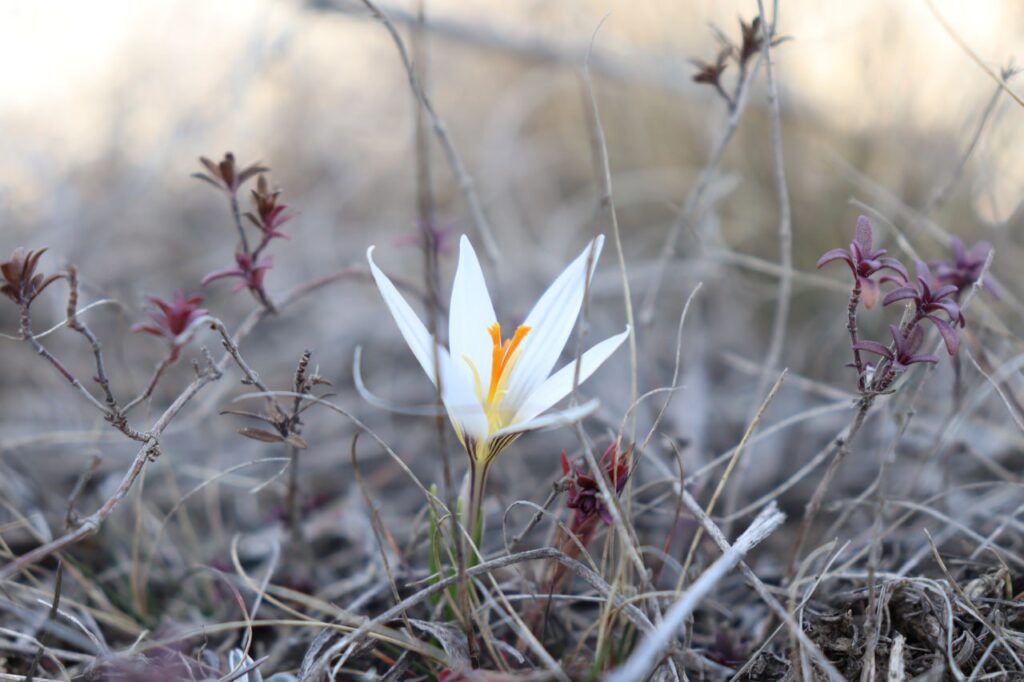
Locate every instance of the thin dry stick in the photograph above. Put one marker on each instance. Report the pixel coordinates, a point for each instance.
(798, 657)
(818, 498)
(715, 533)
(51, 616)
(886, 459)
(778, 336)
(113, 412)
(727, 473)
(972, 54)
(425, 206)
(675, 372)
(635, 615)
(26, 334)
(754, 657)
(150, 386)
(378, 531)
(692, 203)
(244, 670)
(149, 450)
(785, 221)
(651, 70)
(465, 181)
(625, 533)
(942, 192)
(768, 432)
(608, 200)
(969, 605)
(655, 644)
(150, 447)
(251, 377)
(213, 397)
(342, 618)
(63, 323)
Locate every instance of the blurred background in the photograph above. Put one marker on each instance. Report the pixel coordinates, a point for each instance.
(107, 106)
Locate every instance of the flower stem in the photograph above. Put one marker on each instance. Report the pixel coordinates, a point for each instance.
(851, 326)
(236, 215)
(886, 371)
(473, 514)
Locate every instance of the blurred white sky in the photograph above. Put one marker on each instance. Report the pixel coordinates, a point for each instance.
(859, 65)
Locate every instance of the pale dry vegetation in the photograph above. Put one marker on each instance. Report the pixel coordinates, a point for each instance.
(216, 499)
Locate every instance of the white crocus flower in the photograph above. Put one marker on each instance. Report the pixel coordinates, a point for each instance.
(496, 389)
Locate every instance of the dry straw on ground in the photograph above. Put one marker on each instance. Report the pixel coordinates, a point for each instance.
(264, 486)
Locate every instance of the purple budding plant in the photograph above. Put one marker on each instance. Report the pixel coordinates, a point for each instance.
(268, 216)
(934, 293)
(174, 321)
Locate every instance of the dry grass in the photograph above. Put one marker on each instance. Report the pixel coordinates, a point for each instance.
(777, 523)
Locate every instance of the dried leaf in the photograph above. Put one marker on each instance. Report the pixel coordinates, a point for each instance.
(260, 434)
(296, 441)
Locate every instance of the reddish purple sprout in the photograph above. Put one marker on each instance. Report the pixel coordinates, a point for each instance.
(584, 494)
(21, 281)
(225, 175)
(864, 261)
(966, 266)
(269, 215)
(931, 297)
(906, 348)
(173, 321)
(251, 274)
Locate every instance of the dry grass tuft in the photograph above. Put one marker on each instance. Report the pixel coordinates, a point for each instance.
(266, 487)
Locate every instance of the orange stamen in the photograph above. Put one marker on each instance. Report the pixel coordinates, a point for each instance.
(502, 356)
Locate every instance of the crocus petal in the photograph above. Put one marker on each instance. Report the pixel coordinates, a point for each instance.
(835, 254)
(459, 397)
(559, 385)
(469, 316)
(409, 324)
(947, 332)
(457, 393)
(550, 420)
(551, 322)
(944, 291)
